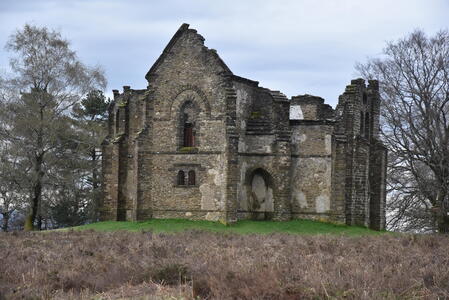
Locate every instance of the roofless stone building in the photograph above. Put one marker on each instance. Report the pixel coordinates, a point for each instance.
(202, 143)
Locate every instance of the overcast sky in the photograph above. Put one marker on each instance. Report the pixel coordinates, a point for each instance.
(297, 47)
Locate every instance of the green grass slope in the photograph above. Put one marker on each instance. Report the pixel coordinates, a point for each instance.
(242, 227)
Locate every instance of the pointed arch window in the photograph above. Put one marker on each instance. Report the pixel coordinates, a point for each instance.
(191, 177)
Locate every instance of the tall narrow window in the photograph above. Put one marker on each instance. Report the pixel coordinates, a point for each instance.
(367, 126)
(189, 139)
(188, 124)
(365, 98)
(117, 120)
(191, 177)
(181, 178)
(362, 123)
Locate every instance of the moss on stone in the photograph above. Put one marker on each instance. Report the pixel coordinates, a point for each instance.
(188, 149)
(28, 224)
(256, 115)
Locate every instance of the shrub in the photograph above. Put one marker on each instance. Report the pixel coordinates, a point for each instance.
(124, 265)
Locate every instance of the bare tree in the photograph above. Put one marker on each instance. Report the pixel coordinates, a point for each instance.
(37, 101)
(414, 77)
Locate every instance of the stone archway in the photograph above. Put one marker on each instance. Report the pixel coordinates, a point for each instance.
(260, 195)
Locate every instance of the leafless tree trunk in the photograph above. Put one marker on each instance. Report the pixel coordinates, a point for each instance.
(6, 209)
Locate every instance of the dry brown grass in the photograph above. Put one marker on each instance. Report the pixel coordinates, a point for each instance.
(117, 265)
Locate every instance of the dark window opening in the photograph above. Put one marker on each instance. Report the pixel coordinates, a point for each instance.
(189, 139)
(367, 125)
(365, 98)
(117, 121)
(181, 178)
(188, 125)
(361, 123)
(191, 177)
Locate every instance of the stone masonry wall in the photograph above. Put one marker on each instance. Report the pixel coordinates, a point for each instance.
(188, 72)
(311, 193)
(263, 152)
(338, 177)
(248, 159)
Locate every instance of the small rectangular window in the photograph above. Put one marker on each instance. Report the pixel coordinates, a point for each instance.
(181, 178)
(191, 177)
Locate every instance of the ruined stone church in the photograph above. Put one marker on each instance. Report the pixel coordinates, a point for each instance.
(202, 143)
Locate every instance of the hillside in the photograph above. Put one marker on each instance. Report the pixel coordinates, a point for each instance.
(197, 264)
(241, 227)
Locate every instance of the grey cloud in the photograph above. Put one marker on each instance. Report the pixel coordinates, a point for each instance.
(298, 47)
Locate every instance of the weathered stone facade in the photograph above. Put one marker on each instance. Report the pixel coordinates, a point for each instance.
(202, 143)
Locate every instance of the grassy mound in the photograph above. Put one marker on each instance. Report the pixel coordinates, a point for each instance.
(242, 227)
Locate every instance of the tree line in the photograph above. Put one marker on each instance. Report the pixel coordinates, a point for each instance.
(53, 117)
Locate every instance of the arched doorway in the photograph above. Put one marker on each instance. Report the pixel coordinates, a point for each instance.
(260, 195)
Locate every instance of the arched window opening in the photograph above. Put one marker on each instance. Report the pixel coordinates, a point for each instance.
(188, 124)
(181, 178)
(191, 177)
(260, 200)
(367, 126)
(117, 121)
(362, 123)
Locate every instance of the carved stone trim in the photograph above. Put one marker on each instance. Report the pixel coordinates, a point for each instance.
(192, 93)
